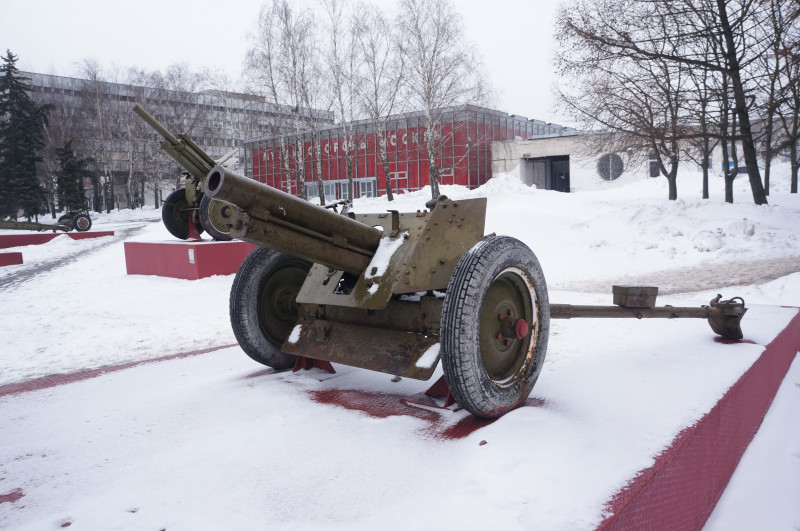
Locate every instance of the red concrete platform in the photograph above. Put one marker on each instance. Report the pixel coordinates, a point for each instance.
(7, 259)
(683, 486)
(37, 238)
(189, 260)
(90, 234)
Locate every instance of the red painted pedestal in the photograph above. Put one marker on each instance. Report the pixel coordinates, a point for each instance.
(185, 259)
(681, 489)
(37, 238)
(7, 259)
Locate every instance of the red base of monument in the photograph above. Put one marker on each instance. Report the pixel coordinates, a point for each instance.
(7, 259)
(190, 260)
(682, 488)
(37, 238)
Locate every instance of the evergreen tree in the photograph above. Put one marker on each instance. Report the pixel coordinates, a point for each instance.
(69, 178)
(22, 124)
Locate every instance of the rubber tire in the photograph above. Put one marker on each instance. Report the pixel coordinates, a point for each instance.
(175, 215)
(81, 222)
(205, 203)
(500, 263)
(259, 339)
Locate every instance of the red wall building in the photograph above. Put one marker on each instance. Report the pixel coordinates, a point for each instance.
(463, 153)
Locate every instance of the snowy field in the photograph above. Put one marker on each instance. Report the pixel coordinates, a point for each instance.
(214, 442)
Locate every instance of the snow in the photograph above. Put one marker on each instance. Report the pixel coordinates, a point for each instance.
(294, 337)
(215, 441)
(429, 357)
(383, 255)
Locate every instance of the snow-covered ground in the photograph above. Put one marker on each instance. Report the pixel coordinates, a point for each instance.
(71, 306)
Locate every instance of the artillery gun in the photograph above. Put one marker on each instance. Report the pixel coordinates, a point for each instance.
(78, 220)
(396, 292)
(187, 210)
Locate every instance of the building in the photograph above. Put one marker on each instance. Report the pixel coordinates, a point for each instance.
(97, 116)
(463, 154)
(576, 161)
(567, 163)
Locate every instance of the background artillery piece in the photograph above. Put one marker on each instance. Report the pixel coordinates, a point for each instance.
(396, 292)
(187, 210)
(80, 221)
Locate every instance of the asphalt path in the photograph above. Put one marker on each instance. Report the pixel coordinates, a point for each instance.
(717, 275)
(26, 273)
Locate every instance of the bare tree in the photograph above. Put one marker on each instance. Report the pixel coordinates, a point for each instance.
(283, 65)
(59, 129)
(174, 93)
(442, 70)
(342, 61)
(265, 70)
(382, 78)
(640, 102)
(702, 102)
(789, 111)
(681, 32)
(100, 111)
(728, 128)
(772, 66)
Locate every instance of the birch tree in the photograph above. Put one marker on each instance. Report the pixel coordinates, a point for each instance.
(283, 66)
(442, 70)
(342, 61)
(382, 78)
(100, 112)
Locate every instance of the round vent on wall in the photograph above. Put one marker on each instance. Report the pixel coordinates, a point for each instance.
(610, 166)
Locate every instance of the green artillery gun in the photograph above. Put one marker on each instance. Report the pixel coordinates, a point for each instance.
(397, 292)
(188, 208)
(78, 220)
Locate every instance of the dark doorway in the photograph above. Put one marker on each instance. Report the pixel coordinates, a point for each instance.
(547, 173)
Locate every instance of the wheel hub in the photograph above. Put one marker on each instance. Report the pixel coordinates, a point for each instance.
(277, 306)
(512, 327)
(506, 316)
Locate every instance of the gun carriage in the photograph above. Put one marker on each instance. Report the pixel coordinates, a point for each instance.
(187, 210)
(78, 220)
(398, 292)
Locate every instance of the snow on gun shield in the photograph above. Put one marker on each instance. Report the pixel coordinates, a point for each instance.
(396, 292)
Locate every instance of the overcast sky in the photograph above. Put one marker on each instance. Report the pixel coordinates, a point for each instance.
(514, 37)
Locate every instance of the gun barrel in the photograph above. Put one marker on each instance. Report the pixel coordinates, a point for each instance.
(181, 148)
(152, 122)
(274, 219)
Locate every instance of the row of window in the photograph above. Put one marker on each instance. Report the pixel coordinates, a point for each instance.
(337, 189)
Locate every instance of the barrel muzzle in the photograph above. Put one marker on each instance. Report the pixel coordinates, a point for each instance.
(276, 220)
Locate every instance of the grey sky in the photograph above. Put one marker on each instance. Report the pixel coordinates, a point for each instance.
(514, 38)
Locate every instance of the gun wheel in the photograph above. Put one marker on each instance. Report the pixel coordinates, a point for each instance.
(81, 223)
(176, 213)
(215, 217)
(494, 327)
(263, 304)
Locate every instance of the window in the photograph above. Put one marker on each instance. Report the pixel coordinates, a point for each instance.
(610, 167)
(399, 180)
(447, 177)
(337, 189)
(366, 187)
